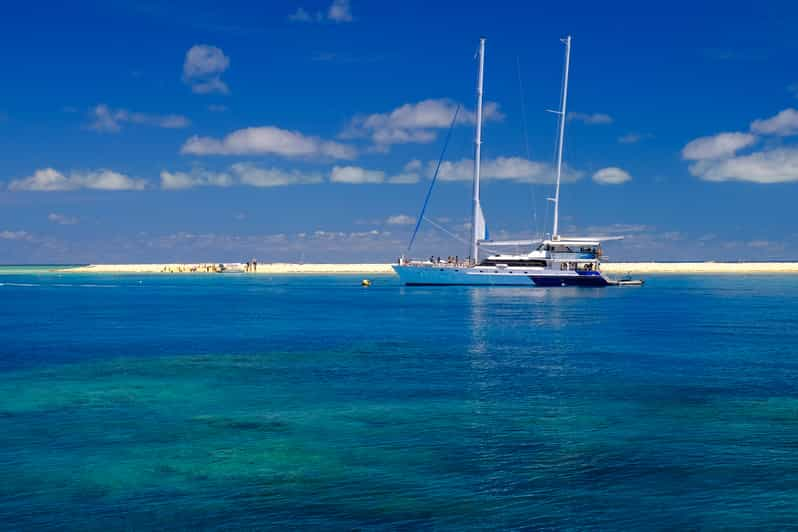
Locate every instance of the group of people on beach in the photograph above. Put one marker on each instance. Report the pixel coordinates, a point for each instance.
(192, 268)
(251, 266)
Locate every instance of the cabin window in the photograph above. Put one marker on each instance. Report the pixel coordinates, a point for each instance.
(514, 263)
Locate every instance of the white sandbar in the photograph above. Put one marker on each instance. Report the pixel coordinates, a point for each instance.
(288, 268)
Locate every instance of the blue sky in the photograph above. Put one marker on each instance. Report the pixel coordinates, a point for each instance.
(133, 131)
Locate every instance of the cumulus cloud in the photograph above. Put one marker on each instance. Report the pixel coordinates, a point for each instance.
(590, 118)
(355, 175)
(404, 178)
(15, 235)
(414, 122)
(400, 219)
(203, 67)
(194, 178)
(252, 175)
(268, 140)
(783, 124)
(246, 174)
(716, 158)
(514, 169)
(717, 146)
(770, 166)
(50, 180)
(61, 219)
(339, 11)
(108, 120)
(611, 175)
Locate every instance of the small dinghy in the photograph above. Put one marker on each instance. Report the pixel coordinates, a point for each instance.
(627, 282)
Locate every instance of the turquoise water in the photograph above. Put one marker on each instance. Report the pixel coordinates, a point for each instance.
(138, 401)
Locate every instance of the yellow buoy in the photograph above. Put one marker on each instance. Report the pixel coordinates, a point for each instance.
(365, 282)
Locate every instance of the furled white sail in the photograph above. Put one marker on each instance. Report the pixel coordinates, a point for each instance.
(481, 229)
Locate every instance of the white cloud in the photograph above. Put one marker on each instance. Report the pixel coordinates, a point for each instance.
(107, 120)
(400, 219)
(717, 146)
(268, 140)
(355, 175)
(15, 235)
(217, 108)
(783, 124)
(50, 180)
(413, 165)
(590, 118)
(516, 169)
(715, 158)
(771, 166)
(61, 219)
(339, 11)
(203, 67)
(246, 174)
(249, 174)
(611, 175)
(195, 178)
(414, 122)
(405, 178)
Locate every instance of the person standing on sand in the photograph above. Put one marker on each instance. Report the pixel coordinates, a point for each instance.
(254, 265)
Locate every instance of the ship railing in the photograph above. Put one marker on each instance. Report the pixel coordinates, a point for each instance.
(435, 263)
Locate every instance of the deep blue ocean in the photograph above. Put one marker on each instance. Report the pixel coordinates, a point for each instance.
(234, 401)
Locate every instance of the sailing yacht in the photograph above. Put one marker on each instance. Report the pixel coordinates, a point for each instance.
(556, 261)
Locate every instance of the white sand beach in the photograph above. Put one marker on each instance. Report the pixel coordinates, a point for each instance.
(279, 268)
(700, 267)
(275, 268)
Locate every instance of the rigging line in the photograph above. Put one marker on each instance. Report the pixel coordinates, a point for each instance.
(526, 142)
(434, 179)
(455, 236)
(442, 228)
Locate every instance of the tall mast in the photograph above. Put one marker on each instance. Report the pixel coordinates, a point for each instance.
(555, 232)
(477, 222)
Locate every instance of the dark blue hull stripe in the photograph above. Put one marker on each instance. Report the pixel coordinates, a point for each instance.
(580, 280)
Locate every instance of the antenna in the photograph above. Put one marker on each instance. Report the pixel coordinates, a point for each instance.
(555, 234)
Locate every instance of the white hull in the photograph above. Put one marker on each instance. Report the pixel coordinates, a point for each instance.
(433, 275)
